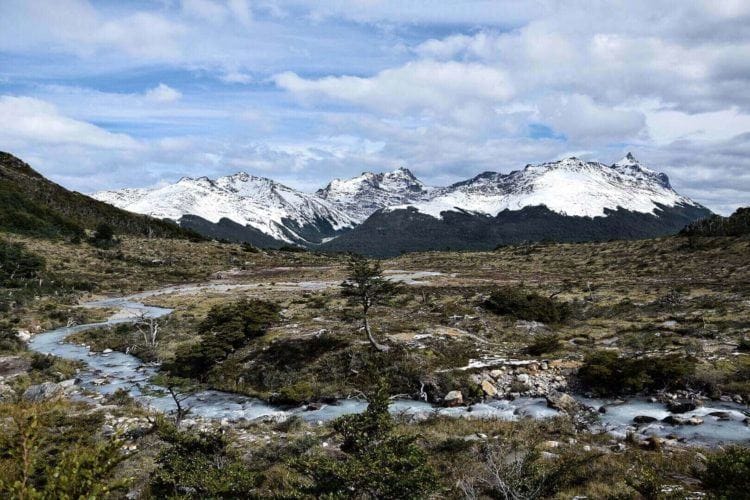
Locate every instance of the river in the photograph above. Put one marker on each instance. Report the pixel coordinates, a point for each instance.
(105, 373)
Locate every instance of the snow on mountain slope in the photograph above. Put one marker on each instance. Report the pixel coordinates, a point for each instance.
(570, 187)
(274, 209)
(363, 195)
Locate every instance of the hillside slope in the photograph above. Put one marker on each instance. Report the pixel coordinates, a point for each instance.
(32, 204)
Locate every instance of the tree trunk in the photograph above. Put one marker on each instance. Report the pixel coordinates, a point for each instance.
(375, 344)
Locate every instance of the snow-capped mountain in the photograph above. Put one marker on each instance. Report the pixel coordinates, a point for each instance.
(278, 211)
(367, 193)
(383, 213)
(569, 187)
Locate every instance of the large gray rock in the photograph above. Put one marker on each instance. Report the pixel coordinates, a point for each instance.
(563, 402)
(42, 392)
(681, 406)
(454, 398)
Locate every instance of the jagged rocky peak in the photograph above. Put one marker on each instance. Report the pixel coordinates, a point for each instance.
(368, 192)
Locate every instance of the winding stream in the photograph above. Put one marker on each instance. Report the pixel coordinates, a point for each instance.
(105, 373)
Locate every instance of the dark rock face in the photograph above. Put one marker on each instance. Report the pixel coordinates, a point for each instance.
(390, 233)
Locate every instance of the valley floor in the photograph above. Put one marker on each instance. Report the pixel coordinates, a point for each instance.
(675, 311)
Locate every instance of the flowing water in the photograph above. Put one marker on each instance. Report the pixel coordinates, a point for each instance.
(105, 373)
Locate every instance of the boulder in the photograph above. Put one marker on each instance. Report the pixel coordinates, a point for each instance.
(681, 406)
(644, 419)
(489, 390)
(562, 402)
(453, 398)
(42, 392)
(674, 420)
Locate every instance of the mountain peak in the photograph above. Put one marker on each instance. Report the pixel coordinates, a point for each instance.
(628, 160)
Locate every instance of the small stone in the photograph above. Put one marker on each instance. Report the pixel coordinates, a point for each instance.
(523, 378)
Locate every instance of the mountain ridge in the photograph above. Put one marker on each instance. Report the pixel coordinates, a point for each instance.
(574, 188)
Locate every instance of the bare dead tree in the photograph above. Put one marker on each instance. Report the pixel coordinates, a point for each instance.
(149, 329)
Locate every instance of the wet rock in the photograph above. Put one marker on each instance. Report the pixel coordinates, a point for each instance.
(313, 406)
(644, 419)
(737, 399)
(721, 415)
(602, 409)
(107, 351)
(453, 398)
(562, 402)
(42, 392)
(675, 420)
(681, 406)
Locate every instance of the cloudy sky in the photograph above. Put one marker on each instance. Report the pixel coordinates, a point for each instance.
(108, 94)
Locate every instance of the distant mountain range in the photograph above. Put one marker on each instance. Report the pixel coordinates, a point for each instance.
(32, 204)
(388, 213)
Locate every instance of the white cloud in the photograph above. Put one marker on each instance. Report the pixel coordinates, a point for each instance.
(234, 76)
(163, 93)
(423, 85)
(35, 121)
(583, 120)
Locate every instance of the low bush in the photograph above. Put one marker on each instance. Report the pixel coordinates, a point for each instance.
(199, 465)
(544, 344)
(226, 328)
(727, 473)
(526, 305)
(375, 461)
(606, 373)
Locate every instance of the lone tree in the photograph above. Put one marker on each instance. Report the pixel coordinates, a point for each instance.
(366, 286)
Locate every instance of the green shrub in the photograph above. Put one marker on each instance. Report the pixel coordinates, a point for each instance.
(226, 328)
(526, 305)
(376, 462)
(17, 265)
(606, 373)
(727, 473)
(199, 465)
(9, 341)
(47, 452)
(544, 344)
